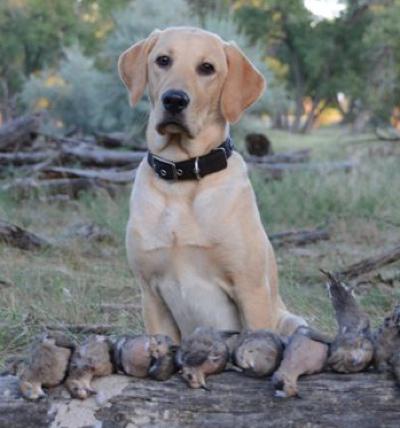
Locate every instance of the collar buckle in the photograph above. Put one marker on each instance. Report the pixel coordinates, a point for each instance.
(196, 168)
(163, 172)
(223, 151)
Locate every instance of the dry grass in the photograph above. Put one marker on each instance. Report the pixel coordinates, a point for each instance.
(69, 285)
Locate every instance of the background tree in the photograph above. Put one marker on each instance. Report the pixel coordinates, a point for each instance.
(324, 58)
(35, 32)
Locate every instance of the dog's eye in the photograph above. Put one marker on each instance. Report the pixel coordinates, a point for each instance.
(163, 61)
(206, 68)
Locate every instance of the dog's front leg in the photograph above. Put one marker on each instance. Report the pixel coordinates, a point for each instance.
(157, 317)
(255, 303)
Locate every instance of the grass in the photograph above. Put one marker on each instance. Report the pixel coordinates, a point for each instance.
(70, 284)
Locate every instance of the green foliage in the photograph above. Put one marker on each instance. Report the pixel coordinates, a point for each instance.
(34, 34)
(324, 58)
(72, 94)
(382, 49)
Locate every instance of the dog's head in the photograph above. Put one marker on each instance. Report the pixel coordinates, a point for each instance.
(194, 79)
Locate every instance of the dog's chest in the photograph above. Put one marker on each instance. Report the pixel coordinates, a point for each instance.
(175, 224)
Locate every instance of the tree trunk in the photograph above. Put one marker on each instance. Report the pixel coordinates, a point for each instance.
(309, 122)
(327, 400)
(298, 113)
(361, 122)
(313, 115)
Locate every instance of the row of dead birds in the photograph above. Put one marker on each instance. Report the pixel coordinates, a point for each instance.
(54, 359)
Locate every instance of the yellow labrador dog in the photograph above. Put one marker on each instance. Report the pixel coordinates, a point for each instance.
(194, 238)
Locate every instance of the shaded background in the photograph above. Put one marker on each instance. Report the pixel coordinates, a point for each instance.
(325, 61)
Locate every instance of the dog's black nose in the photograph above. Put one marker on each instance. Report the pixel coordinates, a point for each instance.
(175, 101)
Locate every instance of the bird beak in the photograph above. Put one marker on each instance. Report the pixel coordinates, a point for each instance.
(203, 383)
(205, 387)
(91, 391)
(40, 395)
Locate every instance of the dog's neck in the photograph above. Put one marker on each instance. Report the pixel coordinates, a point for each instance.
(179, 147)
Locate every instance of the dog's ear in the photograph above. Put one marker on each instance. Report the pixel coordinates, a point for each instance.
(132, 66)
(244, 84)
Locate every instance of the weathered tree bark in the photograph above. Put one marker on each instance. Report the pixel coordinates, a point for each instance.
(18, 131)
(369, 400)
(295, 156)
(299, 237)
(26, 158)
(90, 155)
(371, 263)
(17, 237)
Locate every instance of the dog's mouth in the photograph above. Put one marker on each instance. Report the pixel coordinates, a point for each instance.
(173, 126)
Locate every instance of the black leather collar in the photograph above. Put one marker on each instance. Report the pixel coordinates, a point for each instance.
(194, 168)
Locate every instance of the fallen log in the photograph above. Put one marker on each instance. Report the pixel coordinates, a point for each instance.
(15, 236)
(115, 140)
(93, 156)
(113, 176)
(5, 283)
(388, 134)
(299, 237)
(84, 328)
(110, 307)
(296, 156)
(63, 186)
(327, 400)
(26, 158)
(369, 264)
(19, 131)
(319, 167)
(91, 232)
